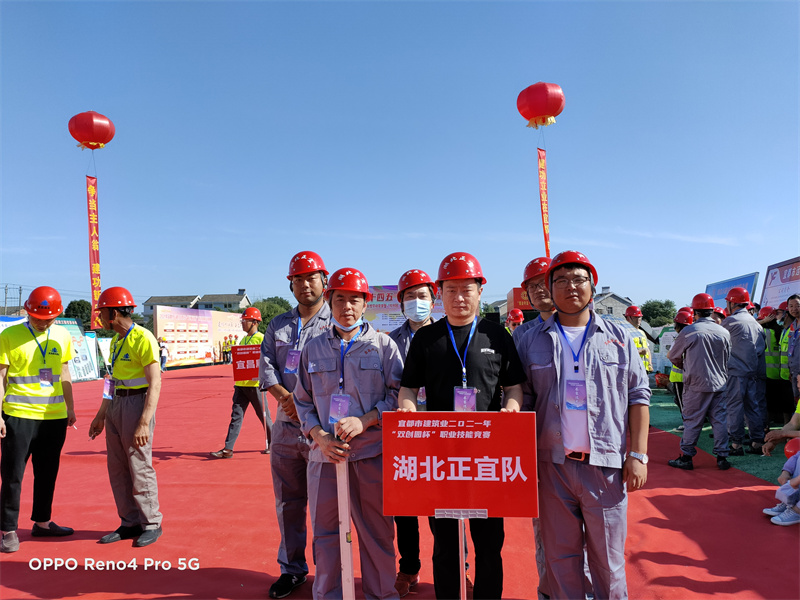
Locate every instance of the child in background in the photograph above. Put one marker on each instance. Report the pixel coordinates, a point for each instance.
(787, 512)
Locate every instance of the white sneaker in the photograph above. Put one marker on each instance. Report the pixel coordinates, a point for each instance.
(787, 517)
(775, 511)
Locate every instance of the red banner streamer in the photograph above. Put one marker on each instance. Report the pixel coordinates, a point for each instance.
(543, 200)
(94, 247)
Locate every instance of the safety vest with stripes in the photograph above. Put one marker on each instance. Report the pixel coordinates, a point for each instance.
(28, 394)
(784, 362)
(676, 375)
(131, 356)
(641, 342)
(773, 354)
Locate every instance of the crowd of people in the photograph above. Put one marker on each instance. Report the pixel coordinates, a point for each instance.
(333, 376)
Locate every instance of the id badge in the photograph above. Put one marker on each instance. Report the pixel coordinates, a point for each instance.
(46, 378)
(465, 399)
(340, 407)
(422, 397)
(109, 387)
(576, 395)
(292, 361)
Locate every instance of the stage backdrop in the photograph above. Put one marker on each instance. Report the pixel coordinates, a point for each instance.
(191, 335)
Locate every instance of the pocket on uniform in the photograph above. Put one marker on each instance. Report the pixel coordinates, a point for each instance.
(371, 362)
(540, 360)
(323, 365)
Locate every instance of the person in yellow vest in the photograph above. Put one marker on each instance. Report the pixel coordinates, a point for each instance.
(127, 412)
(37, 409)
(786, 394)
(245, 393)
(515, 319)
(681, 320)
(226, 350)
(777, 411)
(633, 315)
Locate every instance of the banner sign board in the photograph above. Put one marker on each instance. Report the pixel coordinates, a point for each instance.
(720, 289)
(193, 335)
(460, 460)
(384, 313)
(245, 362)
(517, 298)
(782, 280)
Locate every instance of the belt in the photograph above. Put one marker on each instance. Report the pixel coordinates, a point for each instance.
(130, 392)
(579, 456)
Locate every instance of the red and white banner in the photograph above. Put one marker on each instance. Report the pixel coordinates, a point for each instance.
(245, 362)
(94, 247)
(460, 461)
(543, 200)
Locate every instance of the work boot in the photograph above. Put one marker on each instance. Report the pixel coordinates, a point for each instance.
(224, 453)
(10, 542)
(405, 582)
(723, 464)
(684, 461)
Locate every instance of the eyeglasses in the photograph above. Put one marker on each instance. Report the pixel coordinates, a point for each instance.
(563, 283)
(538, 286)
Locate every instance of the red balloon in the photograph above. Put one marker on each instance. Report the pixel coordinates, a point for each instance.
(91, 129)
(540, 103)
(792, 447)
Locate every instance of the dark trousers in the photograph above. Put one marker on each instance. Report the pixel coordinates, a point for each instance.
(42, 442)
(488, 536)
(242, 398)
(408, 544)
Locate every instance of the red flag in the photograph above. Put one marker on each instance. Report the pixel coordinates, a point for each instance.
(94, 247)
(543, 200)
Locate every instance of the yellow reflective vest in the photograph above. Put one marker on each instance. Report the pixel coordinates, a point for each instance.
(772, 354)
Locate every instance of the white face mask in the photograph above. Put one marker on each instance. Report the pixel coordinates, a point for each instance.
(417, 310)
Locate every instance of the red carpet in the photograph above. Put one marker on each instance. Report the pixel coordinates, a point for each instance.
(696, 534)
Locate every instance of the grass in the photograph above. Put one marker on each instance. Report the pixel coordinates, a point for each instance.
(664, 415)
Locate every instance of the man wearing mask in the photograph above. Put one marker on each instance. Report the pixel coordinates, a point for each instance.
(535, 286)
(416, 293)
(286, 336)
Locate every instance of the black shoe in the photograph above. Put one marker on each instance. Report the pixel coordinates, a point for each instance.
(736, 451)
(122, 533)
(754, 449)
(285, 584)
(52, 530)
(723, 464)
(684, 461)
(148, 537)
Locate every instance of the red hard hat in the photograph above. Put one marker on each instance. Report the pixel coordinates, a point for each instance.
(115, 297)
(738, 295)
(570, 257)
(515, 316)
(721, 311)
(633, 311)
(538, 266)
(413, 278)
(305, 262)
(44, 303)
(783, 306)
(686, 309)
(251, 313)
(765, 312)
(703, 302)
(684, 318)
(726, 312)
(460, 265)
(348, 280)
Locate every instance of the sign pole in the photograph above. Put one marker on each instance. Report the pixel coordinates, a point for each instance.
(345, 537)
(267, 423)
(462, 552)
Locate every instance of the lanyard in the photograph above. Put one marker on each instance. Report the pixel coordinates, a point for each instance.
(464, 360)
(575, 355)
(246, 339)
(299, 330)
(46, 344)
(115, 356)
(345, 351)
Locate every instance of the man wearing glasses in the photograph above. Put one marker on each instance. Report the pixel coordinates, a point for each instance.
(286, 336)
(590, 390)
(535, 286)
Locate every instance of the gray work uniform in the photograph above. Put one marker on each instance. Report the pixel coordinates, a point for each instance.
(584, 502)
(520, 331)
(371, 373)
(747, 366)
(705, 348)
(289, 447)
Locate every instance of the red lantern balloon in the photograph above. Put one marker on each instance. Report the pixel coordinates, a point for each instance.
(91, 129)
(792, 447)
(540, 104)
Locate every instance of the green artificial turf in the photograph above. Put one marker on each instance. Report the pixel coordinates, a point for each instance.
(664, 415)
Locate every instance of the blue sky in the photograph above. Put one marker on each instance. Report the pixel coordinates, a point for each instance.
(385, 135)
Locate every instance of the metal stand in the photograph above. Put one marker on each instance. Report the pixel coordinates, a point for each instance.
(267, 423)
(345, 537)
(461, 515)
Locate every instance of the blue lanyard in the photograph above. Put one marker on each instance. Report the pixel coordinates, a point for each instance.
(541, 320)
(299, 330)
(114, 356)
(575, 355)
(464, 360)
(345, 351)
(47, 343)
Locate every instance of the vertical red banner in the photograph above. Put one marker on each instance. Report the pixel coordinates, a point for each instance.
(94, 247)
(543, 200)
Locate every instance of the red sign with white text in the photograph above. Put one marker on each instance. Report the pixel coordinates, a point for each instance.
(245, 362)
(460, 460)
(543, 200)
(94, 247)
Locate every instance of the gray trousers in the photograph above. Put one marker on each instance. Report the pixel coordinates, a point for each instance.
(375, 531)
(130, 468)
(696, 405)
(581, 503)
(745, 403)
(244, 396)
(289, 463)
(543, 590)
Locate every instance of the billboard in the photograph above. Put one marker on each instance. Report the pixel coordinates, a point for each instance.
(720, 289)
(384, 314)
(192, 335)
(782, 280)
(517, 298)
